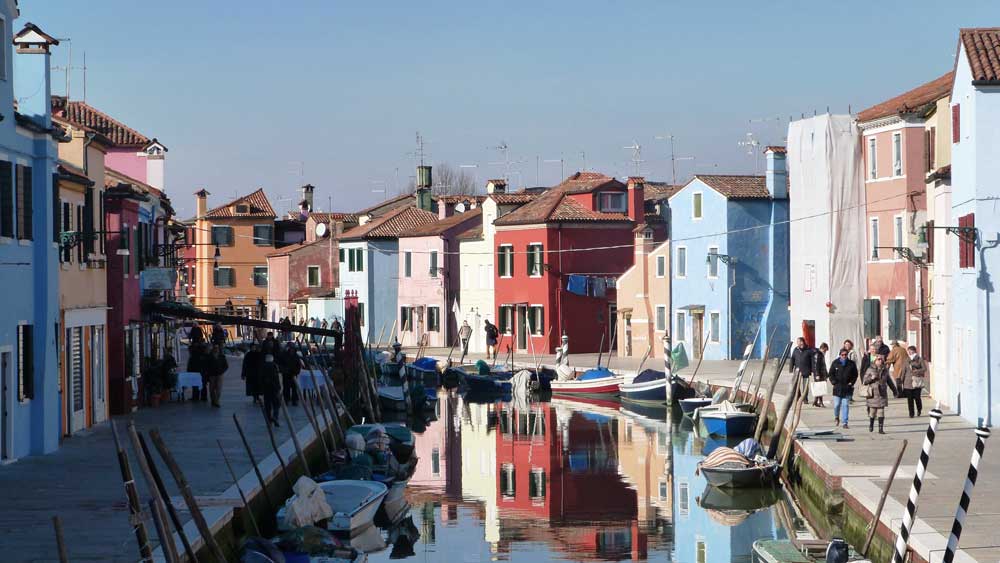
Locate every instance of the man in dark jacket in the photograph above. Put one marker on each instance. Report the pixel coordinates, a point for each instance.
(843, 375)
(198, 363)
(252, 362)
(218, 335)
(803, 362)
(217, 366)
(270, 387)
(290, 366)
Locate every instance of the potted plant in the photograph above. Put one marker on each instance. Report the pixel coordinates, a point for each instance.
(152, 378)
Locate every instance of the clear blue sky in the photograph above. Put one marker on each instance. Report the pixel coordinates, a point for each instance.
(243, 93)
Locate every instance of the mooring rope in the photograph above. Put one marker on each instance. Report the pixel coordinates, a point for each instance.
(918, 477)
(963, 504)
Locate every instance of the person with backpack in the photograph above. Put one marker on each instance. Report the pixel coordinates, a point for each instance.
(491, 340)
(290, 366)
(270, 388)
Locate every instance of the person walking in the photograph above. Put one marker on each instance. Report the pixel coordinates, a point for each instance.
(880, 345)
(914, 370)
(218, 335)
(895, 361)
(195, 335)
(252, 365)
(270, 387)
(464, 334)
(338, 340)
(843, 375)
(819, 385)
(491, 340)
(217, 367)
(877, 383)
(290, 366)
(198, 362)
(852, 355)
(803, 363)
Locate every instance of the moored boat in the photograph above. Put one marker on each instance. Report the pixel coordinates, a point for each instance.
(354, 503)
(728, 423)
(804, 551)
(731, 475)
(597, 381)
(691, 404)
(650, 386)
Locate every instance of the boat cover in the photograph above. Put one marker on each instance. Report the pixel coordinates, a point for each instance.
(425, 363)
(648, 375)
(749, 448)
(308, 505)
(482, 368)
(596, 373)
(724, 455)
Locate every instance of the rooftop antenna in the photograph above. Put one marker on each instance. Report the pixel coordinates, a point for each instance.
(751, 144)
(377, 183)
(69, 68)
(562, 166)
(420, 153)
(475, 168)
(636, 149)
(504, 150)
(583, 155)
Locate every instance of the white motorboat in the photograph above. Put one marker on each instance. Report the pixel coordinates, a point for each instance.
(354, 503)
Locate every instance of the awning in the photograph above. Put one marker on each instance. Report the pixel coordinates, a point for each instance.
(693, 308)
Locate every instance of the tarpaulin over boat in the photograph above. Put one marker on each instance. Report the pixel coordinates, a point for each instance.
(648, 375)
(425, 363)
(596, 373)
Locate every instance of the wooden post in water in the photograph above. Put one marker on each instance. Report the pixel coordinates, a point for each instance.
(159, 511)
(295, 438)
(60, 541)
(873, 525)
(790, 437)
(162, 530)
(763, 367)
(253, 462)
(274, 446)
(192, 504)
(701, 357)
(762, 407)
(134, 506)
(171, 510)
(793, 395)
(317, 403)
(307, 407)
(327, 397)
(236, 481)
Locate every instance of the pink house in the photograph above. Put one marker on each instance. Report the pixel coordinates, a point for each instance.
(429, 278)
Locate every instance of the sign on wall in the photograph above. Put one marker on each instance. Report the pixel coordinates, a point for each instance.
(157, 279)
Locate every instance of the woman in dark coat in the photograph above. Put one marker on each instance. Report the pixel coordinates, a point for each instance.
(217, 366)
(843, 375)
(252, 362)
(877, 383)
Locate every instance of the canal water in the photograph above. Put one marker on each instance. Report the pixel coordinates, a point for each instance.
(570, 480)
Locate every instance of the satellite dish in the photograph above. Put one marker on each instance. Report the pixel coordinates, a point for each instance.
(460, 208)
(321, 230)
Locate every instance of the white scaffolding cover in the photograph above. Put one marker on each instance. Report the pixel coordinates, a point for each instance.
(827, 234)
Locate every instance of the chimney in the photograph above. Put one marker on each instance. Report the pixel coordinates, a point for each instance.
(202, 197)
(636, 199)
(32, 74)
(777, 172)
(423, 193)
(445, 209)
(155, 160)
(307, 198)
(496, 187)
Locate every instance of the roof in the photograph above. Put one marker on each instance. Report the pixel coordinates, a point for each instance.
(335, 216)
(656, 191)
(286, 250)
(776, 149)
(260, 206)
(391, 224)
(553, 205)
(391, 203)
(982, 47)
(585, 182)
(460, 198)
(73, 174)
(80, 113)
(513, 198)
(475, 232)
(916, 100)
(737, 187)
(438, 228)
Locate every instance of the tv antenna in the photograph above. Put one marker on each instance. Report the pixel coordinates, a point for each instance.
(583, 156)
(69, 68)
(673, 157)
(751, 143)
(420, 154)
(504, 150)
(636, 149)
(376, 184)
(562, 166)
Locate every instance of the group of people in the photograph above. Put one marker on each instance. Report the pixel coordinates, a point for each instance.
(269, 372)
(315, 322)
(882, 369)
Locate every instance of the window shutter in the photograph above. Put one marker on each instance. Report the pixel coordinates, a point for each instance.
(501, 262)
(956, 119)
(88, 221)
(929, 235)
(897, 319)
(56, 209)
(932, 149)
(80, 230)
(350, 260)
(873, 317)
(25, 363)
(24, 202)
(361, 259)
(6, 200)
(66, 227)
(531, 260)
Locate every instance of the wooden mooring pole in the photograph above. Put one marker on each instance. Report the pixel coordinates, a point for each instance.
(134, 506)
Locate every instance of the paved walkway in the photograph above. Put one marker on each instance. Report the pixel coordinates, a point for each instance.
(81, 482)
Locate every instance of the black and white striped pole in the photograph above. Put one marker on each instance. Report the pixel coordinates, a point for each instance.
(666, 367)
(963, 504)
(918, 478)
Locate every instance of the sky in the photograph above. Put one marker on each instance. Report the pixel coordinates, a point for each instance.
(275, 94)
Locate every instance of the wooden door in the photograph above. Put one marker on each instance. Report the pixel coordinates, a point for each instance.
(522, 327)
(75, 379)
(697, 333)
(98, 396)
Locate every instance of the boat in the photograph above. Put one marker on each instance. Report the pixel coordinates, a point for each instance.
(491, 383)
(392, 398)
(401, 441)
(597, 381)
(649, 386)
(424, 370)
(804, 551)
(736, 476)
(713, 498)
(728, 423)
(691, 404)
(354, 503)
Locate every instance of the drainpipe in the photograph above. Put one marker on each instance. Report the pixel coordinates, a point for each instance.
(87, 139)
(729, 306)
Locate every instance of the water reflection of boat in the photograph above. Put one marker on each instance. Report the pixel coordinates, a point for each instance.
(714, 498)
(649, 411)
(804, 551)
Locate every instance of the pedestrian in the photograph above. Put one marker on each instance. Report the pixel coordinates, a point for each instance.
(290, 366)
(843, 375)
(880, 346)
(338, 340)
(895, 361)
(819, 385)
(491, 340)
(878, 383)
(914, 370)
(199, 361)
(195, 335)
(252, 365)
(218, 335)
(803, 363)
(286, 332)
(852, 355)
(270, 387)
(325, 325)
(464, 333)
(217, 368)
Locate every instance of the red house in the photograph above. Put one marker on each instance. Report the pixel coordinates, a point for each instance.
(557, 259)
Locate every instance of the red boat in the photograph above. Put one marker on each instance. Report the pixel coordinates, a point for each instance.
(598, 381)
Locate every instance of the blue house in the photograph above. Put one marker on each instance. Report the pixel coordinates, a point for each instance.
(729, 243)
(29, 373)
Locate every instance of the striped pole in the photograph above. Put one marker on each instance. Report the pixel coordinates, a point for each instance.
(963, 504)
(918, 477)
(666, 367)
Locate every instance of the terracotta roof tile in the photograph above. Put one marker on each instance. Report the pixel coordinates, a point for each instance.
(74, 174)
(737, 187)
(460, 198)
(657, 191)
(258, 203)
(475, 232)
(513, 198)
(982, 46)
(552, 205)
(390, 225)
(584, 182)
(387, 205)
(80, 113)
(571, 210)
(439, 227)
(916, 100)
(285, 251)
(326, 217)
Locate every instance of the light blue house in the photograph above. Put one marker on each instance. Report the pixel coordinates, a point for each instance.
(29, 373)
(729, 239)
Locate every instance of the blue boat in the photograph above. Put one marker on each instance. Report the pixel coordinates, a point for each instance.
(729, 424)
(492, 383)
(688, 406)
(424, 371)
(649, 386)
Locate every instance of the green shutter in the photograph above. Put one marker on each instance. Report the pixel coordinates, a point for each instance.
(350, 260)
(897, 319)
(873, 317)
(501, 263)
(361, 259)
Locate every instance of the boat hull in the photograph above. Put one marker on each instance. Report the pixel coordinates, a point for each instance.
(740, 478)
(729, 424)
(486, 384)
(688, 406)
(652, 391)
(600, 386)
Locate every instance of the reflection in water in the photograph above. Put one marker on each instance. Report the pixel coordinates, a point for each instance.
(577, 480)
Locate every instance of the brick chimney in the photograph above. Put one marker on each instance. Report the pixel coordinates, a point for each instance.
(202, 200)
(445, 209)
(496, 187)
(636, 198)
(33, 75)
(777, 172)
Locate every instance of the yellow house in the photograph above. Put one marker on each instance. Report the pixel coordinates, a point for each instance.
(937, 163)
(644, 296)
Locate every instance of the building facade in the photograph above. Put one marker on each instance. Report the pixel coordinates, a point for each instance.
(644, 296)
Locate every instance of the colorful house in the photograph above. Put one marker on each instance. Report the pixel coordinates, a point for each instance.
(974, 224)
(430, 278)
(557, 258)
(893, 142)
(29, 237)
(729, 241)
(644, 292)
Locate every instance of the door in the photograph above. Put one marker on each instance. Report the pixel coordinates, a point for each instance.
(697, 333)
(522, 327)
(613, 327)
(628, 334)
(75, 379)
(6, 424)
(98, 397)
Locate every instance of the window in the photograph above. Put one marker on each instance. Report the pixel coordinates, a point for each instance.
(661, 266)
(536, 486)
(661, 318)
(714, 327)
(682, 261)
(897, 233)
(505, 321)
(536, 320)
(24, 201)
(713, 262)
(700, 552)
(680, 326)
(930, 139)
(897, 320)
(967, 242)
(126, 242)
(88, 222)
(340, 254)
(25, 362)
(535, 259)
(263, 235)
(434, 319)
(684, 497)
(361, 314)
(222, 235)
(312, 276)
(6, 200)
(67, 225)
(434, 264)
(408, 264)
(956, 119)
(260, 276)
(897, 154)
(508, 481)
(355, 260)
(612, 202)
(872, 156)
(929, 235)
(696, 200)
(224, 277)
(873, 237)
(505, 261)
(404, 319)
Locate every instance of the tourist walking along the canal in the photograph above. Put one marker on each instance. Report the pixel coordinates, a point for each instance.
(880, 345)
(819, 385)
(270, 388)
(878, 383)
(843, 375)
(491, 340)
(803, 363)
(252, 362)
(218, 335)
(895, 361)
(852, 355)
(914, 370)
(217, 366)
(464, 333)
(290, 366)
(198, 360)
